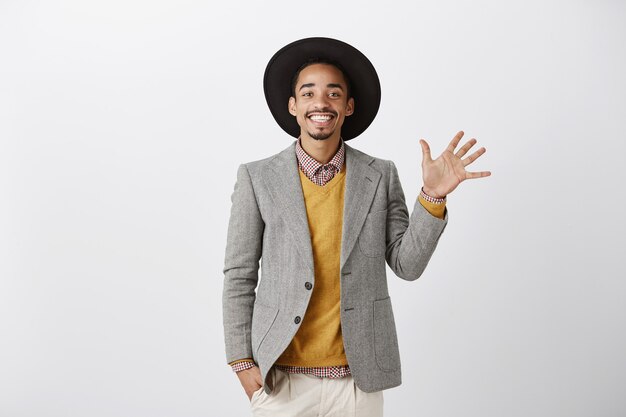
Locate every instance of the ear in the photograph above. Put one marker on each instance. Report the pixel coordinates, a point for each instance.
(350, 106)
(292, 106)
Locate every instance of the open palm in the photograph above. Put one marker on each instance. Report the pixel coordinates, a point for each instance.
(442, 175)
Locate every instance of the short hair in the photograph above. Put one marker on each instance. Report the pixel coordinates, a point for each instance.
(319, 60)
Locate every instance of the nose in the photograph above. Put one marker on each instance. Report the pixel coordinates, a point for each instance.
(321, 102)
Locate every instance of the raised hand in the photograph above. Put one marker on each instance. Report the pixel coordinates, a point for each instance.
(442, 175)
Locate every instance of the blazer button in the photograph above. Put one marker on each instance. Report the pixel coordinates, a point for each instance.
(296, 320)
(308, 285)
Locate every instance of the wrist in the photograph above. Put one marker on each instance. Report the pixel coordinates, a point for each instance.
(432, 196)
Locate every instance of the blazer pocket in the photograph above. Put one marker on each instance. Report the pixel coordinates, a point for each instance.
(263, 317)
(372, 241)
(385, 337)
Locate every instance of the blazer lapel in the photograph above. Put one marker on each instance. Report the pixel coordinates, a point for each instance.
(283, 183)
(282, 179)
(361, 183)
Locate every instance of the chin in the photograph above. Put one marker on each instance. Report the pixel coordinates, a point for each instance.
(320, 136)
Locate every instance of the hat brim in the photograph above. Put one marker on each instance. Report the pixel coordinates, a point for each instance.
(364, 82)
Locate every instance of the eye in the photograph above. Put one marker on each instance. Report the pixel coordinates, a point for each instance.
(307, 94)
(334, 94)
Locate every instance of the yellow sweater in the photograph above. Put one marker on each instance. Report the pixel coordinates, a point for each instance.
(318, 341)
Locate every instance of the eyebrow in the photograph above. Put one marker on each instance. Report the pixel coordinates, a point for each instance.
(331, 85)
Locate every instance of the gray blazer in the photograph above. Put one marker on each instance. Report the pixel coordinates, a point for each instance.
(268, 221)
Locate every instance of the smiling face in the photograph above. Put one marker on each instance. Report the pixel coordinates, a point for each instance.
(321, 102)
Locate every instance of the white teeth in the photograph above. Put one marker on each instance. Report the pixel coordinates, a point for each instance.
(319, 118)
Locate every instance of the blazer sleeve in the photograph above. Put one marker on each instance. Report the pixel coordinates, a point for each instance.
(411, 240)
(241, 265)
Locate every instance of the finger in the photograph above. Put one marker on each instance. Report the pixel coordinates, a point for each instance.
(455, 141)
(473, 156)
(425, 150)
(471, 175)
(466, 147)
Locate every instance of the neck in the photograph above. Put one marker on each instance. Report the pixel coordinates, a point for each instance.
(321, 150)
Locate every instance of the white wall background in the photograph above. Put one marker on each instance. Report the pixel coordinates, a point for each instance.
(122, 124)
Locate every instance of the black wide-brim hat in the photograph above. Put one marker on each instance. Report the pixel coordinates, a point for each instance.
(364, 82)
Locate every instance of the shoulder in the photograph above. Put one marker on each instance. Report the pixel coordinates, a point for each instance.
(256, 166)
(384, 166)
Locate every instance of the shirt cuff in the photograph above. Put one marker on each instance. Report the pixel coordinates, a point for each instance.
(242, 364)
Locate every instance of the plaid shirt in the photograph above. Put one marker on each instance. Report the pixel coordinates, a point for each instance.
(317, 172)
(320, 174)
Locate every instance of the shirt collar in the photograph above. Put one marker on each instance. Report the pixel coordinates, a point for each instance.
(310, 165)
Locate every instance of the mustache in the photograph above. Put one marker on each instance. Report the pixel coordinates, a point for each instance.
(324, 110)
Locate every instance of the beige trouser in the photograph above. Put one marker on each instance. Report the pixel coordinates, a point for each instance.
(305, 395)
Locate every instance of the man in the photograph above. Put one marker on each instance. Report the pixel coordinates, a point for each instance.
(318, 336)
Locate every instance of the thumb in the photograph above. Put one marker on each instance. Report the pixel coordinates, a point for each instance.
(425, 151)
